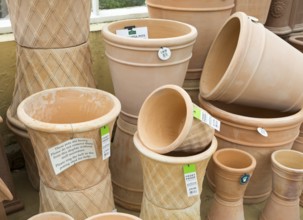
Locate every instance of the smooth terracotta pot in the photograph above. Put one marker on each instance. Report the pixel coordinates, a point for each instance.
(135, 66)
(165, 195)
(191, 86)
(296, 40)
(258, 9)
(285, 17)
(124, 163)
(113, 216)
(283, 203)
(5, 194)
(239, 129)
(233, 169)
(194, 12)
(238, 67)
(166, 122)
(55, 116)
(50, 24)
(51, 216)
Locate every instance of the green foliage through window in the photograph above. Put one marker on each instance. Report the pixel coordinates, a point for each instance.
(107, 4)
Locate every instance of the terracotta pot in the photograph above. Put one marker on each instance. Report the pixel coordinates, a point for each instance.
(5, 194)
(296, 40)
(67, 115)
(285, 16)
(239, 129)
(191, 86)
(237, 67)
(124, 163)
(258, 9)
(165, 195)
(193, 12)
(138, 75)
(233, 169)
(113, 216)
(166, 122)
(283, 203)
(50, 24)
(51, 216)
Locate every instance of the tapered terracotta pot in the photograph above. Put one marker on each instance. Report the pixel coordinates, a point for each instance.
(50, 24)
(287, 174)
(165, 195)
(238, 68)
(233, 169)
(194, 12)
(51, 216)
(135, 64)
(124, 163)
(5, 194)
(296, 40)
(166, 122)
(64, 127)
(258, 9)
(240, 126)
(113, 216)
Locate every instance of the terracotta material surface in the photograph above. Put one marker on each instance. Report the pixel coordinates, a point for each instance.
(135, 66)
(238, 67)
(296, 40)
(239, 129)
(165, 195)
(196, 13)
(283, 203)
(125, 167)
(233, 169)
(51, 216)
(50, 24)
(113, 216)
(166, 122)
(191, 86)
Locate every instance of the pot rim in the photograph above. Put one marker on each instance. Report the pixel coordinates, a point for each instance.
(175, 160)
(56, 213)
(125, 215)
(70, 127)
(156, 42)
(280, 166)
(186, 127)
(294, 39)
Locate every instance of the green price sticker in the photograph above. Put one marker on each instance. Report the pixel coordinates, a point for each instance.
(189, 168)
(197, 112)
(104, 130)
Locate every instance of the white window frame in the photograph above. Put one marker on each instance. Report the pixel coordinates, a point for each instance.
(97, 16)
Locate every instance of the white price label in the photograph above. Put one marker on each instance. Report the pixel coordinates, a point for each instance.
(191, 182)
(105, 137)
(262, 131)
(205, 117)
(164, 53)
(134, 32)
(70, 152)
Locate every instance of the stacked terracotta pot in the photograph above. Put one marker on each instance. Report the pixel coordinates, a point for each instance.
(259, 104)
(52, 51)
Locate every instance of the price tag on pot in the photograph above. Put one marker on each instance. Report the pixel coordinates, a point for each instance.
(205, 117)
(68, 153)
(133, 32)
(164, 53)
(105, 137)
(191, 183)
(262, 131)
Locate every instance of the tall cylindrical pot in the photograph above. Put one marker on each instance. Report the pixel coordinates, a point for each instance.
(238, 68)
(67, 127)
(257, 131)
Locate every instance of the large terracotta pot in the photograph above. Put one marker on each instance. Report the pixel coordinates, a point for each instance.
(283, 203)
(258, 9)
(239, 129)
(135, 66)
(51, 216)
(124, 163)
(165, 195)
(113, 216)
(238, 68)
(50, 24)
(59, 121)
(233, 169)
(166, 122)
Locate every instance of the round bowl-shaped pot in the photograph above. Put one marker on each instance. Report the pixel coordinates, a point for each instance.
(51, 215)
(113, 216)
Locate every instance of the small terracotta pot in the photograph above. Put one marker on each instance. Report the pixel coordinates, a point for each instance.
(239, 129)
(113, 216)
(237, 67)
(233, 169)
(296, 40)
(283, 203)
(166, 122)
(192, 12)
(138, 74)
(123, 163)
(165, 195)
(50, 24)
(258, 9)
(51, 216)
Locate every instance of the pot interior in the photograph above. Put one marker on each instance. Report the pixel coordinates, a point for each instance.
(68, 106)
(290, 159)
(233, 159)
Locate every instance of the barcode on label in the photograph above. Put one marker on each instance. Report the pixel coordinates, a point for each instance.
(205, 117)
(105, 136)
(191, 182)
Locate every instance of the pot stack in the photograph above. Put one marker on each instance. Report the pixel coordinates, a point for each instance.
(258, 104)
(52, 51)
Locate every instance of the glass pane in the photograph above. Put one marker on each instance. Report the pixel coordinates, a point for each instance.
(107, 4)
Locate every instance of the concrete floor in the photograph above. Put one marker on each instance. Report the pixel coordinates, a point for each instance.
(30, 198)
